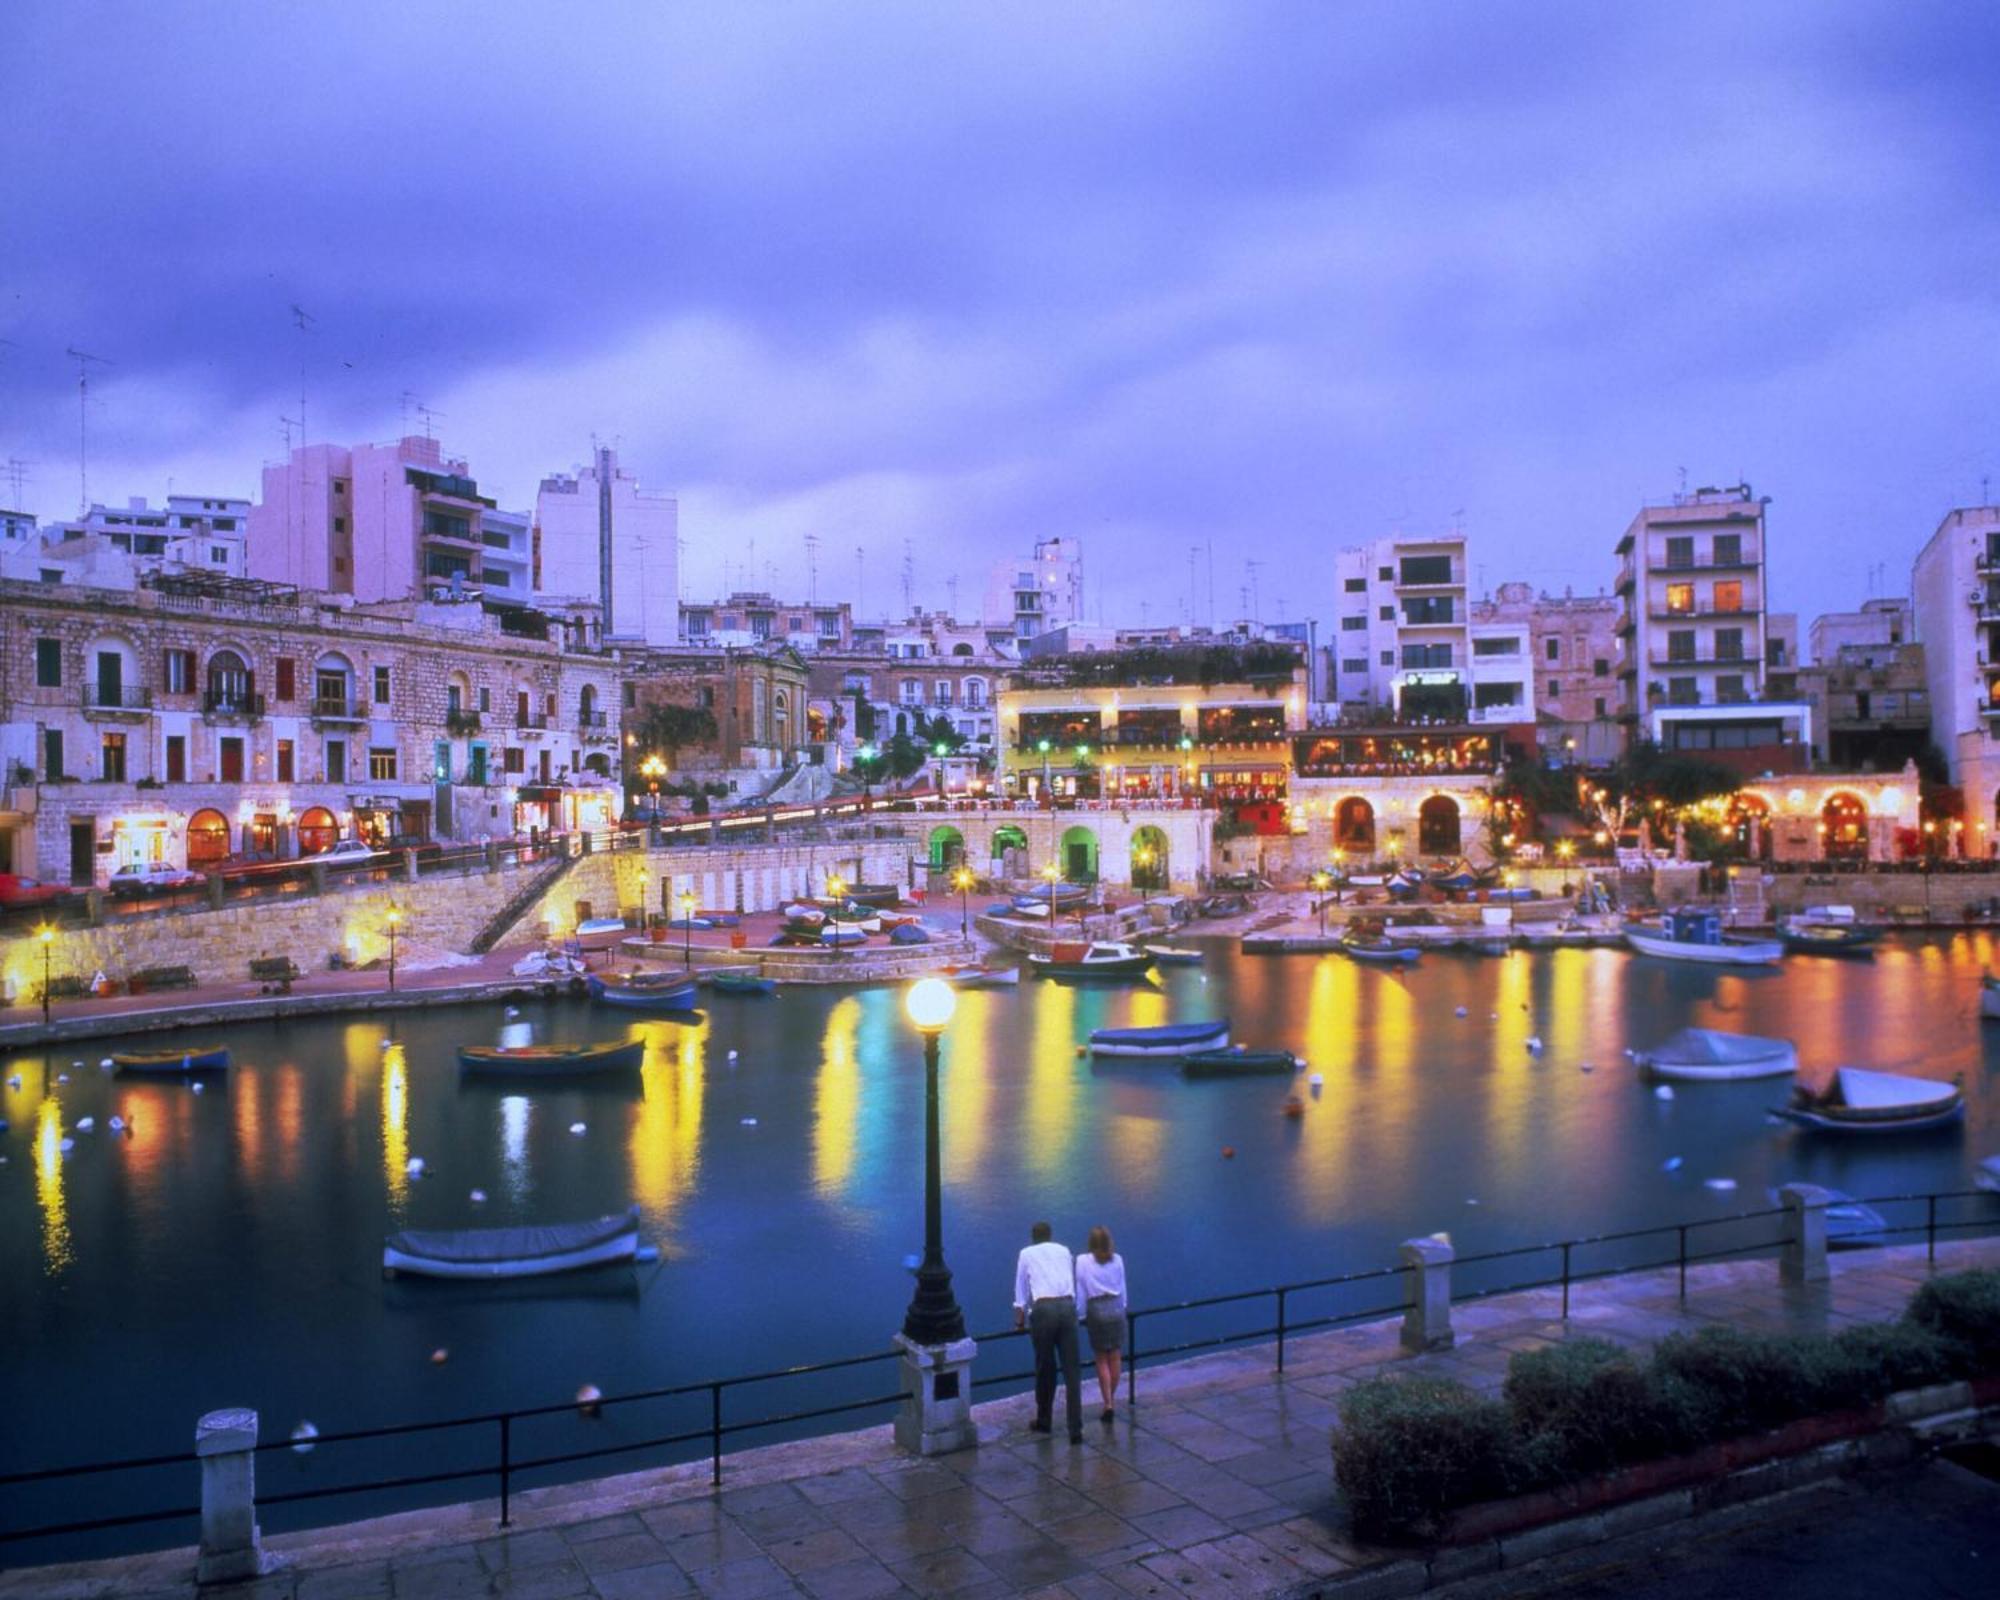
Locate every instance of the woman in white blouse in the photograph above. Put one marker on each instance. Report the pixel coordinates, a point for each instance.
(1100, 1302)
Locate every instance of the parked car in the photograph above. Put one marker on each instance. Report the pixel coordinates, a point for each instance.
(347, 853)
(18, 891)
(146, 879)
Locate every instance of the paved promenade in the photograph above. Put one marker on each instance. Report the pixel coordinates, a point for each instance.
(1218, 1484)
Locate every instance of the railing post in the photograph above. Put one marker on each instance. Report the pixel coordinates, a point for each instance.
(1930, 1228)
(715, 1433)
(1427, 1322)
(226, 1443)
(1132, 1360)
(506, 1465)
(1803, 1257)
(1281, 1330)
(1683, 1229)
(1565, 1280)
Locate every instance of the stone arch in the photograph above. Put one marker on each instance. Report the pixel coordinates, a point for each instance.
(1077, 854)
(598, 763)
(319, 830)
(1843, 821)
(1750, 824)
(1008, 837)
(586, 703)
(207, 839)
(947, 848)
(111, 672)
(1149, 858)
(227, 679)
(333, 685)
(1439, 829)
(1354, 825)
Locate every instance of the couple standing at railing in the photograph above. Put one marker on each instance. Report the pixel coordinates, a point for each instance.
(1052, 1291)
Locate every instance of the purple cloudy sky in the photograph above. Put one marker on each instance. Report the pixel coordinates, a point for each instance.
(1274, 278)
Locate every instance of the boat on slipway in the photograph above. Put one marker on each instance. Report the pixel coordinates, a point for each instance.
(1710, 1055)
(512, 1252)
(972, 975)
(1695, 934)
(1859, 1101)
(1169, 1039)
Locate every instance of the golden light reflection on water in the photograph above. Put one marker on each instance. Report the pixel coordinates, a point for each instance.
(56, 1250)
(514, 1145)
(966, 1092)
(1333, 1050)
(395, 1130)
(246, 1110)
(666, 1134)
(837, 1099)
(290, 1118)
(1050, 1122)
(1137, 1146)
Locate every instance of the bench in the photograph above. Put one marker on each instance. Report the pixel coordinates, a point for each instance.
(70, 986)
(275, 973)
(149, 978)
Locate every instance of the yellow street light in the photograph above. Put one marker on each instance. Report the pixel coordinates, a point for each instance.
(688, 903)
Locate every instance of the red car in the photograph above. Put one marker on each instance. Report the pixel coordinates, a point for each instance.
(19, 891)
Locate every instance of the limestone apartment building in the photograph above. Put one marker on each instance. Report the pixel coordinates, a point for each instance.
(1955, 590)
(198, 722)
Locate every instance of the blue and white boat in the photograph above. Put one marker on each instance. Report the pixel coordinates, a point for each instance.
(1170, 1039)
(1690, 933)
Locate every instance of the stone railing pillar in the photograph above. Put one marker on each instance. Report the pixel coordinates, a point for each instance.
(215, 887)
(225, 1442)
(1427, 1322)
(409, 866)
(492, 855)
(936, 1416)
(93, 907)
(1803, 1258)
(316, 876)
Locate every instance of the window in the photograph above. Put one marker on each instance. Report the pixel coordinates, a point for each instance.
(1600, 708)
(1427, 569)
(1417, 613)
(513, 760)
(697, 625)
(336, 761)
(1487, 695)
(287, 761)
(941, 694)
(1355, 586)
(288, 677)
(1553, 649)
(229, 760)
(975, 694)
(1680, 599)
(1730, 691)
(1729, 644)
(381, 686)
(475, 766)
(486, 698)
(218, 555)
(48, 663)
(1496, 647)
(1353, 624)
(1680, 645)
(1387, 613)
(1359, 667)
(1555, 687)
(52, 754)
(1388, 658)
(1683, 692)
(441, 761)
(1422, 656)
(330, 689)
(178, 672)
(912, 692)
(381, 764)
(177, 758)
(1728, 549)
(1385, 574)
(112, 758)
(339, 565)
(1600, 668)
(340, 524)
(340, 486)
(1680, 552)
(1729, 596)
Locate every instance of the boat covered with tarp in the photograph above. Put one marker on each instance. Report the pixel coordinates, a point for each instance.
(1860, 1101)
(1174, 955)
(203, 1058)
(512, 1252)
(1239, 1062)
(1828, 931)
(1169, 1039)
(1711, 1054)
(751, 983)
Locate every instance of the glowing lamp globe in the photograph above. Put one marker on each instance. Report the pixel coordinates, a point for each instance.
(930, 1004)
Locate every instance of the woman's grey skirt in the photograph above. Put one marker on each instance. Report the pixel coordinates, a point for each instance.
(1105, 1324)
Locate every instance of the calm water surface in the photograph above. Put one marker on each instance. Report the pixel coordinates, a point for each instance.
(228, 1252)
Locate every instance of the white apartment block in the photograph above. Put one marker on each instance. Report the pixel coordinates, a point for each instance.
(1044, 592)
(602, 541)
(1691, 591)
(1955, 597)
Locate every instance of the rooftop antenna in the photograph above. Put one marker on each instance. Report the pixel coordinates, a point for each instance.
(1684, 481)
(1194, 550)
(409, 403)
(17, 477)
(860, 558)
(303, 321)
(1985, 489)
(909, 579)
(1256, 597)
(812, 569)
(1211, 583)
(429, 417)
(951, 589)
(83, 360)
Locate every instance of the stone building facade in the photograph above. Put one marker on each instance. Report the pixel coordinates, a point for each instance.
(757, 697)
(200, 722)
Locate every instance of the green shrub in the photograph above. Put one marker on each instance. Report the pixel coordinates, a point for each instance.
(1586, 1406)
(1408, 1450)
(1963, 1310)
(1739, 1382)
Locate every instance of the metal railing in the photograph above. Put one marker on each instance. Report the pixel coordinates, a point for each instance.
(105, 697)
(1570, 1263)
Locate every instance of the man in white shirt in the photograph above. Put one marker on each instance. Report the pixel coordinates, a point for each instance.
(1045, 1304)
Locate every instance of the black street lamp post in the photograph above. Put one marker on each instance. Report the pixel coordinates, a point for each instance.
(48, 937)
(934, 1317)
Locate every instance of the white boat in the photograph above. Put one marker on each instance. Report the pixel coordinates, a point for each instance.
(1708, 1054)
(1174, 955)
(512, 1252)
(1695, 934)
(1988, 1175)
(1169, 1039)
(600, 925)
(1989, 997)
(1859, 1101)
(974, 976)
(1102, 959)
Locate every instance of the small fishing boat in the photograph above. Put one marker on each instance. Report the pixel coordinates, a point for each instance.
(973, 976)
(842, 935)
(883, 896)
(1379, 948)
(552, 1060)
(210, 1058)
(1104, 959)
(644, 991)
(1858, 1101)
(1695, 934)
(1032, 908)
(1711, 1055)
(750, 983)
(512, 1252)
(1828, 931)
(804, 916)
(1239, 1063)
(1170, 1039)
(1989, 996)
(591, 925)
(1174, 955)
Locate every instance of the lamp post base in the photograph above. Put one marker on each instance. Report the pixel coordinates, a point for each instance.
(936, 1415)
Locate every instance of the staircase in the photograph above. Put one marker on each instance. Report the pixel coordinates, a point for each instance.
(1746, 899)
(501, 923)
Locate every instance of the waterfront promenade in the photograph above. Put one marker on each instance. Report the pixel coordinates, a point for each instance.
(1218, 1483)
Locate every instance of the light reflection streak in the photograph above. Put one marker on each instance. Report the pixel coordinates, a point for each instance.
(837, 1100)
(966, 1089)
(514, 1112)
(395, 1133)
(1333, 1050)
(1050, 1121)
(666, 1134)
(57, 1253)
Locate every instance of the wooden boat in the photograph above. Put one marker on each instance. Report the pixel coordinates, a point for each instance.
(750, 983)
(512, 1252)
(1239, 1063)
(804, 916)
(1828, 931)
(1875, 1102)
(1708, 1054)
(1098, 960)
(909, 933)
(210, 1058)
(971, 975)
(552, 1060)
(882, 896)
(592, 925)
(1379, 948)
(647, 991)
(1989, 996)
(1174, 955)
(1695, 934)
(1170, 1039)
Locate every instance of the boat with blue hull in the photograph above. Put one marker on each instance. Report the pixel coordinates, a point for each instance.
(644, 991)
(1169, 1039)
(484, 1253)
(1694, 933)
(209, 1058)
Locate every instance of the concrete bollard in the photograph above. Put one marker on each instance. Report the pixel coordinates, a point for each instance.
(225, 1442)
(936, 1415)
(316, 876)
(1427, 1322)
(492, 855)
(409, 866)
(93, 907)
(1803, 1258)
(215, 887)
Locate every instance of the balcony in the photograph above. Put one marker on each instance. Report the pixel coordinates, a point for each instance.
(337, 709)
(461, 723)
(1685, 613)
(531, 721)
(232, 705)
(103, 700)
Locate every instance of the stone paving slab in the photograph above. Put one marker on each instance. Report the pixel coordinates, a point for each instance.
(1218, 1483)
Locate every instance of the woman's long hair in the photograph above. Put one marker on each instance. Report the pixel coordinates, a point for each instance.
(1099, 1244)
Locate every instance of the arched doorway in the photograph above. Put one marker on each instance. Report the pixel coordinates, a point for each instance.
(1010, 850)
(208, 840)
(1438, 831)
(1750, 825)
(947, 849)
(1354, 825)
(1844, 827)
(1149, 858)
(229, 686)
(317, 831)
(1078, 855)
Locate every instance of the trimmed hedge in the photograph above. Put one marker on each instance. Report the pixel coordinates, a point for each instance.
(1411, 1450)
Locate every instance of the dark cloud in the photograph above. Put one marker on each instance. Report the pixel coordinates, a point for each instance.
(1278, 277)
